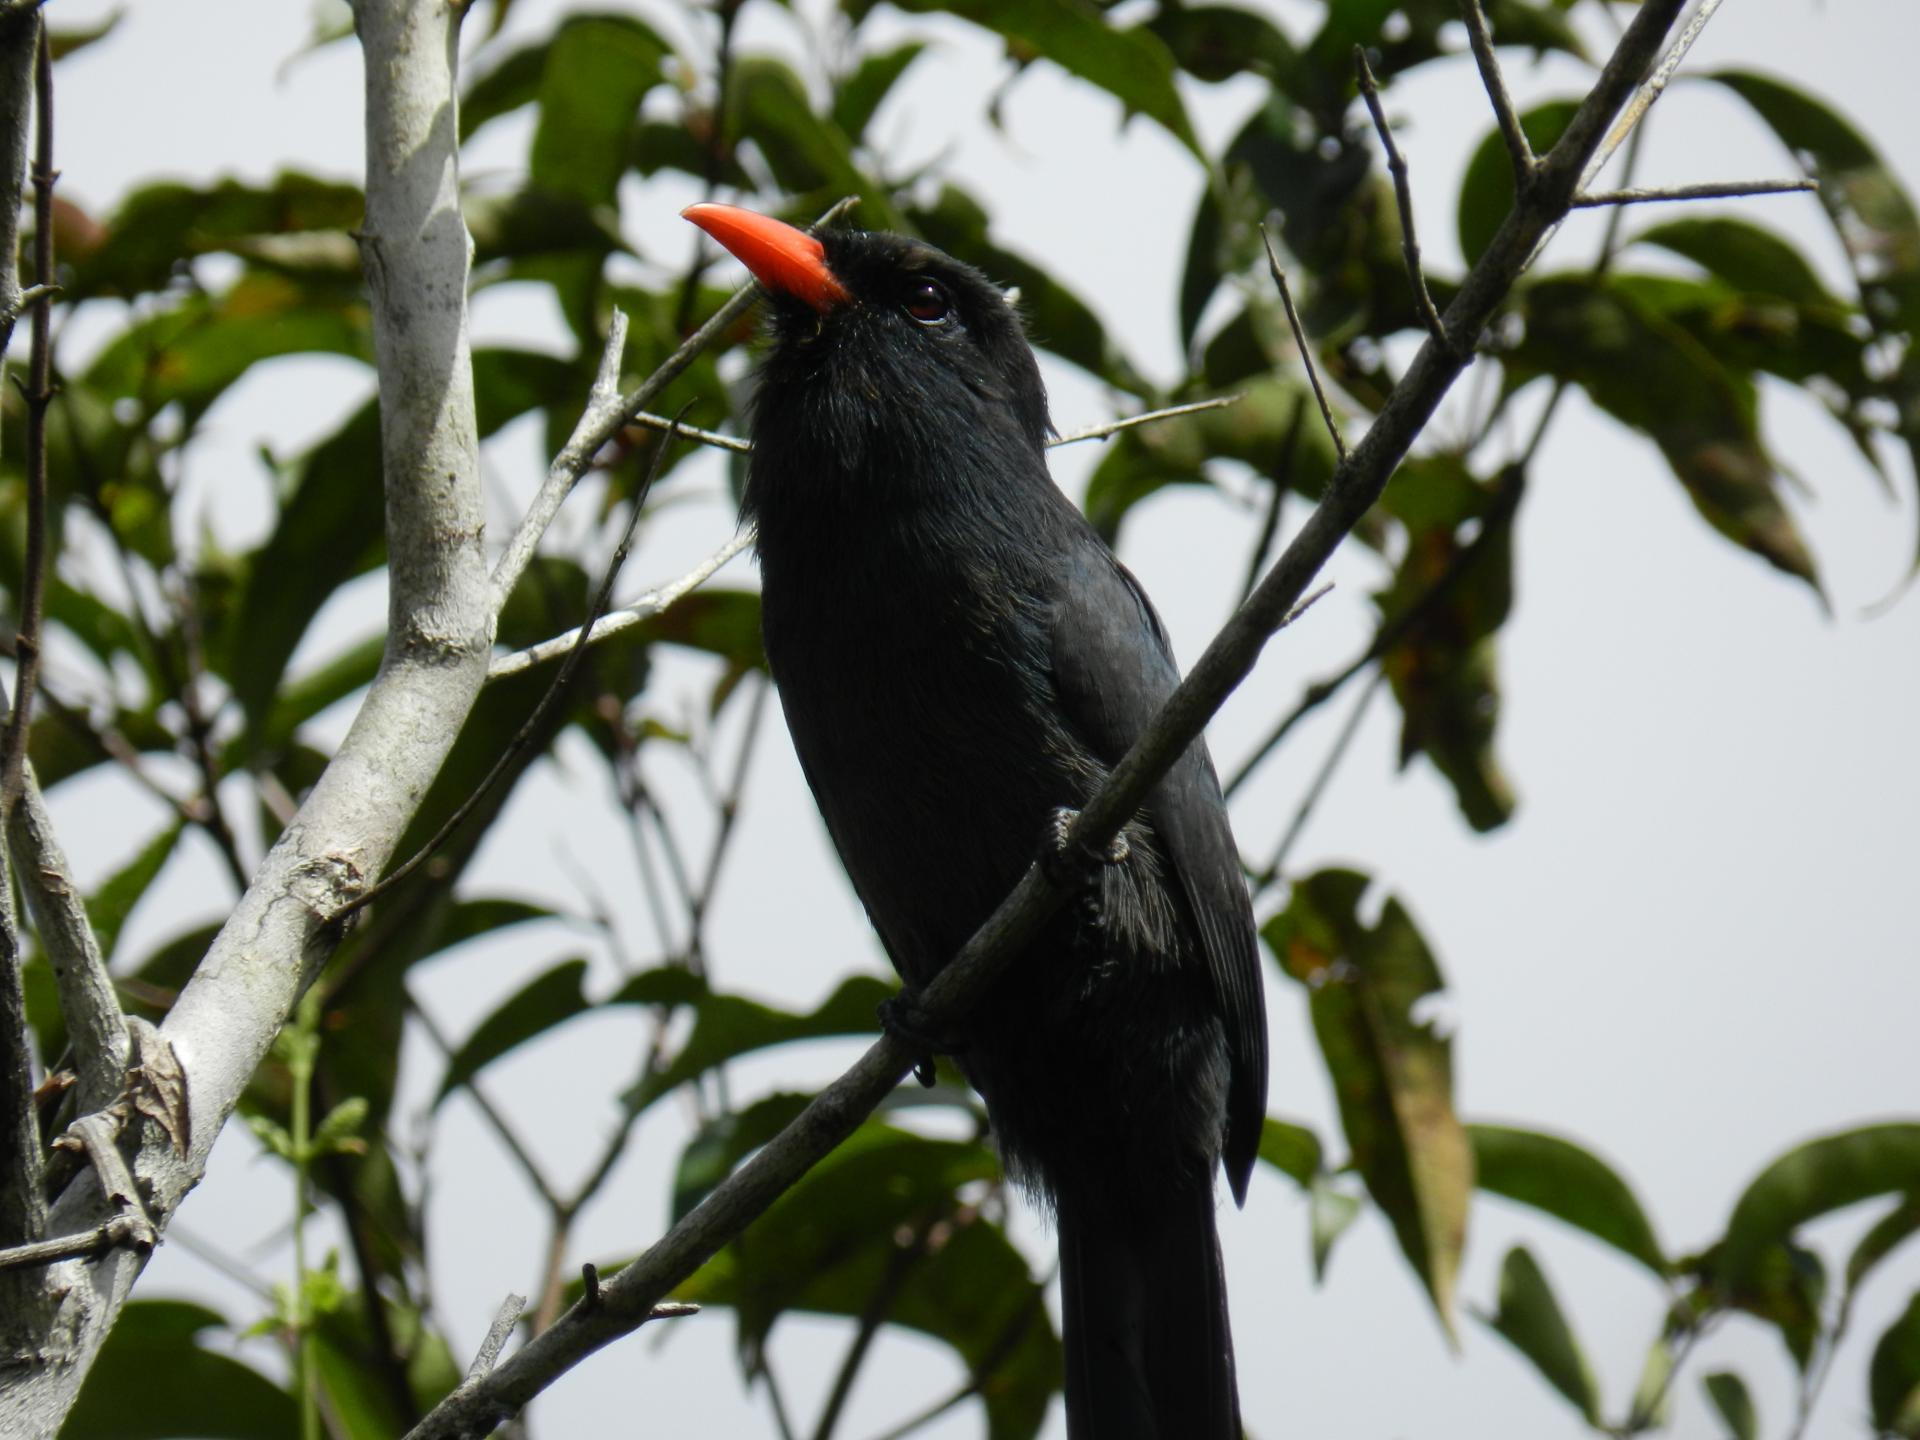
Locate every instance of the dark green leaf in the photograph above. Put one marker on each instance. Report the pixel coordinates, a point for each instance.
(1893, 1377)
(548, 1000)
(1486, 190)
(1393, 1074)
(1568, 1183)
(1530, 1319)
(160, 225)
(881, 1216)
(357, 1396)
(533, 222)
(110, 905)
(64, 42)
(1294, 1150)
(329, 531)
(192, 351)
(1784, 1284)
(1811, 1180)
(152, 1381)
(1650, 374)
(1728, 1392)
(1217, 42)
(730, 1025)
(1133, 66)
(858, 96)
(1744, 254)
(598, 69)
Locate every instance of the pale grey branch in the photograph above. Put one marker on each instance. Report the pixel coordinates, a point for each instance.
(1711, 190)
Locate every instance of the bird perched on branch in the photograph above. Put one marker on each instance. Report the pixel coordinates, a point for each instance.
(961, 659)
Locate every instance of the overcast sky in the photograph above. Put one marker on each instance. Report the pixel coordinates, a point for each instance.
(1693, 946)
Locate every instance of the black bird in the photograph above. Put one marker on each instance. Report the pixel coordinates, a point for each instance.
(960, 657)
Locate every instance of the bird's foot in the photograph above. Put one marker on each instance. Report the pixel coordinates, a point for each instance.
(902, 1018)
(1066, 864)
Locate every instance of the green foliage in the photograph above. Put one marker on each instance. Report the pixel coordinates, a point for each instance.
(199, 284)
(1392, 1072)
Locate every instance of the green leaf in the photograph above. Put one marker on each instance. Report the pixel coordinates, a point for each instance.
(1744, 254)
(726, 1026)
(881, 1217)
(1811, 1180)
(1453, 591)
(1650, 374)
(330, 530)
(352, 1374)
(1392, 1073)
(160, 225)
(1893, 1376)
(1486, 190)
(598, 69)
(532, 222)
(1887, 1233)
(1133, 65)
(1217, 42)
(1529, 1318)
(190, 352)
(1330, 1212)
(1653, 1396)
(152, 1381)
(1568, 1183)
(859, 95)
(1271, 428)
(1728, 1392)
(808, 154)
(339, 1131)
(110, 905)
(1784, 1284)
(1294, 1150)
(544, 1002)
(65, 41)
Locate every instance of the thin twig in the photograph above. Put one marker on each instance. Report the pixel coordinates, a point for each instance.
(1403, 199)
(488, 1110)
(200, 734)
(118, 1231)
(1146, 417)
(645, 607)
(1306, 350)
(879, 1304)
(1278, 861)
(1073, 437)
(606, 413)
(33, 581)
(488, 1355)
(1710, 190)
(1480, 37)
(524, 735)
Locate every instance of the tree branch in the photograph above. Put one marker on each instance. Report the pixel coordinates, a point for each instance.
(1480, 37)
(416, 253)
(39, 395)
(1300, 341)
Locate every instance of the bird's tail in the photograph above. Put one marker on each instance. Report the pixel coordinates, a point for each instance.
(1144, 1304)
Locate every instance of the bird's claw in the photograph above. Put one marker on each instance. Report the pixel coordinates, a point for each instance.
(902, 1018)
(1065, 863)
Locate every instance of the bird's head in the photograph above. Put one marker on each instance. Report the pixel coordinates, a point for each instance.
(886, 352)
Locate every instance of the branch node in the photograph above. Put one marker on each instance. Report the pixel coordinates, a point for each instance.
(590, 1277)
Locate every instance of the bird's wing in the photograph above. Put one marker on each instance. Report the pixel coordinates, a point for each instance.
(1114, 669)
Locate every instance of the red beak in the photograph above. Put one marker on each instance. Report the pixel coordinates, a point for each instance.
(785, 260)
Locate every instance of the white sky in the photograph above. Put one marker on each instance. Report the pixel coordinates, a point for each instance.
(1693, 946)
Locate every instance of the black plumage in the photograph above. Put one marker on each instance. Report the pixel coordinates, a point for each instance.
(959, 654)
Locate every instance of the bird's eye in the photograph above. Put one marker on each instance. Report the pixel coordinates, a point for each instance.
(926, 302)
